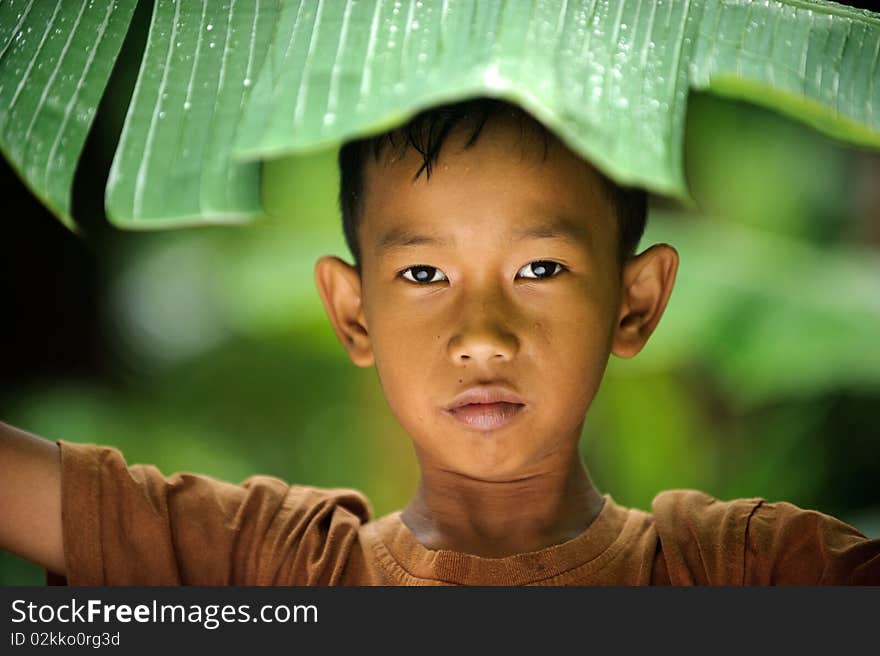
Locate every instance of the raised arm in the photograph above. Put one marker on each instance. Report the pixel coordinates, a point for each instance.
(30, 498)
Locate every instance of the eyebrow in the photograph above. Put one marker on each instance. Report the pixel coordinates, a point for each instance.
(558, 228)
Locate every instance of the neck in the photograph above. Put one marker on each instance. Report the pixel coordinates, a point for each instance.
(493, 519)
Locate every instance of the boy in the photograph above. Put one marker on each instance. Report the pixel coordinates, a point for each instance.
(489, 294)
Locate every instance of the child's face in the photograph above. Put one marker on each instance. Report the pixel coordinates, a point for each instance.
(488, 317)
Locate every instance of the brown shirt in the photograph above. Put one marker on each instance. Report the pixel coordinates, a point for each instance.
(131, 525)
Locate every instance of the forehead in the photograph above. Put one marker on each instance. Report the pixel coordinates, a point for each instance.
(502, 182)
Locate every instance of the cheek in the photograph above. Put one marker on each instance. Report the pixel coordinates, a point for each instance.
(402, 333)
(574, 352)
(400, 343)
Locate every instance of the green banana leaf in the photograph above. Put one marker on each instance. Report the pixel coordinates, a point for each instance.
(225, 85)
(55, 60)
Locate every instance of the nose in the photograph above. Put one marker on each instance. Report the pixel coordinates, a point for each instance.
(483, 338)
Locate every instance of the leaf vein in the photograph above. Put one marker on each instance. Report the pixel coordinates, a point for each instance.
(333, 91)
(17, 27)
(140, 178)
(42, 102)
(33, 60)
(79, 85)
(366, 73)
(303, 94)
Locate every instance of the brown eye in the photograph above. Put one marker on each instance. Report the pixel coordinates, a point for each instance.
(542, 269)
(423, 274)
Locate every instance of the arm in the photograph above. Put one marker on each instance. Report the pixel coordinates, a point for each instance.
(30, 498)
(131, 525)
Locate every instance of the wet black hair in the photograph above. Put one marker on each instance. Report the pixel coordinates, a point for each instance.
(427, 131)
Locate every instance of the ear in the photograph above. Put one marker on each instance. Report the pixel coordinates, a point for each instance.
(647, 282)
(339, 285)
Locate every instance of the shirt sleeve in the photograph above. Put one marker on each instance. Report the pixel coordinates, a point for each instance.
(706, 541)
(786, 544)
(702, 538)
(131, 525)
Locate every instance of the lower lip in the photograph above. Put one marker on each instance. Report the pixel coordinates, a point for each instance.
(486, 416)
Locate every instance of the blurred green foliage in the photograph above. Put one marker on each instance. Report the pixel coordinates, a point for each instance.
(762, 379)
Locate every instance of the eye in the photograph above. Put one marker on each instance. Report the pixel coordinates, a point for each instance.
(543, 269)
(423, 274)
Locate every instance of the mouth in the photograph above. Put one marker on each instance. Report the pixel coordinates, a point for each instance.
(486, 416)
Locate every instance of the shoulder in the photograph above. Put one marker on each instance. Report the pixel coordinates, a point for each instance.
(83, 463)
(702, 538)
(694, 504)
(786, 544)
(122, 520)
(349, 502)
(755, 542)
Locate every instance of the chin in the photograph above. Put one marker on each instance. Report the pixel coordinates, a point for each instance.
(497, 467)
(495, 456)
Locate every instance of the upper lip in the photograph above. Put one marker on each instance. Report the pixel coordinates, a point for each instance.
(485, 394)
